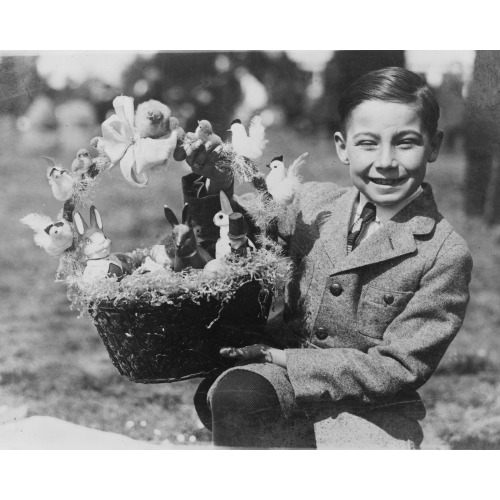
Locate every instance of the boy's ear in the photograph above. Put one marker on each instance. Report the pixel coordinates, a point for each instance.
(341, 146)
(436, 142)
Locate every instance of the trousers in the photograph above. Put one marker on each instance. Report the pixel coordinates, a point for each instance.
(243, 408)
(245, 412)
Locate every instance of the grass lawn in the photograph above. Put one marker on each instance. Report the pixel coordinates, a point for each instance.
(56, 364)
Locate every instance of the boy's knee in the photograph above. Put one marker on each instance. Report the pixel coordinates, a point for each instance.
(245, 394)
(200, 400)
(247, 412)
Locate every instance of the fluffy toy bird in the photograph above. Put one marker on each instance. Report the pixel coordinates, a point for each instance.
(153, 119)
(60, 180)
(205, 132)
(83, 162)
(252, 145)
(282, 184)
(98, 144)
(53, 237)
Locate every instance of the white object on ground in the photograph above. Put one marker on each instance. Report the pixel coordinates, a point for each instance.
(49, 433)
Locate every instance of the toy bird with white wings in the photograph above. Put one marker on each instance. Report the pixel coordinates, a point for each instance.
(283, 183)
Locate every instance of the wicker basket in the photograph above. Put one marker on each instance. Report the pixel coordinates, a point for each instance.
(179, 341)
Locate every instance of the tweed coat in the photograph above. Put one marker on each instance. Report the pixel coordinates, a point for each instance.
(365, 330)
(377, 320)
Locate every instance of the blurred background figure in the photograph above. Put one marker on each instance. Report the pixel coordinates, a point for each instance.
(450, 95)
(482, 138)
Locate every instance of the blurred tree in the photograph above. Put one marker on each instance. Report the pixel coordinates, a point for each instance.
(206, 85)
(21, 86)
(345, 67)
(19, 83)
(482, 138)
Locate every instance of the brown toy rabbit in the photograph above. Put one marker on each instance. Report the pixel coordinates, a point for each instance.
(187, 251)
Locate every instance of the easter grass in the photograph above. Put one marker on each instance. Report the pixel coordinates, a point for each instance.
(268, 266)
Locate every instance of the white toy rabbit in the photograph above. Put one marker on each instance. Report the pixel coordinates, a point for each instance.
(96, 248)
(221, 220)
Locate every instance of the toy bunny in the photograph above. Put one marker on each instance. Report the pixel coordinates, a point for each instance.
(187, 251)
(221, 220)
(96, 248)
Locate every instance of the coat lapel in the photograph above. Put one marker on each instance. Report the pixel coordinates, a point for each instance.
(387, 243)
(333, 236)
(393, 240)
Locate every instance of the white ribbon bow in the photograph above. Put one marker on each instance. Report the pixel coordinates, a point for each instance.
(135, 155)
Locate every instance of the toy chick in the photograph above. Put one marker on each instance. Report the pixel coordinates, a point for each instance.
(152, 119)
(83, 163)
(205, 133)
(60, 180)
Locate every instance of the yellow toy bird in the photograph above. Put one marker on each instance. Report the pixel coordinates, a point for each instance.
(153, 119)
(60, 180)
(205, 132)
(98, 144)
(83, 163)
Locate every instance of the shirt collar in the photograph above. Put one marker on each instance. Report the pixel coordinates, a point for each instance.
(385, 214)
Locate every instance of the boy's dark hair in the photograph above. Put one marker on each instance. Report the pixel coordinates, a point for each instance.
(393, 84)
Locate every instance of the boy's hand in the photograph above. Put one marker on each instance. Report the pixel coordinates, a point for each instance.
(202, 157)
(257, 353)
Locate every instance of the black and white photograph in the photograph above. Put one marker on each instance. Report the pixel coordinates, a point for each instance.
(208, 252)
(181, 262)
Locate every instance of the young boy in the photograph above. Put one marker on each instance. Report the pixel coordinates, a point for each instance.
(380, 290)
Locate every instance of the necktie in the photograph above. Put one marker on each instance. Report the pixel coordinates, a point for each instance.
(368, 215)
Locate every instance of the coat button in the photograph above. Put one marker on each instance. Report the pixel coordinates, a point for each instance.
(336, 289)
(388, 298)
(321, 333)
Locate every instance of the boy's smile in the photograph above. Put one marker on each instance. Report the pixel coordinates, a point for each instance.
(387, 149)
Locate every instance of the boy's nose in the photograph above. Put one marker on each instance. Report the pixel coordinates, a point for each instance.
(386, 159)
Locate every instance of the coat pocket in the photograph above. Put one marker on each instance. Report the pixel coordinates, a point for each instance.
(378, 308)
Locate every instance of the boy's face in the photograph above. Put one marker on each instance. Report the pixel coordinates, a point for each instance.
(387, 149)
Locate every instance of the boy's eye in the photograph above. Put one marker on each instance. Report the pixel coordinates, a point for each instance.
(407, 144)
(366, 144)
